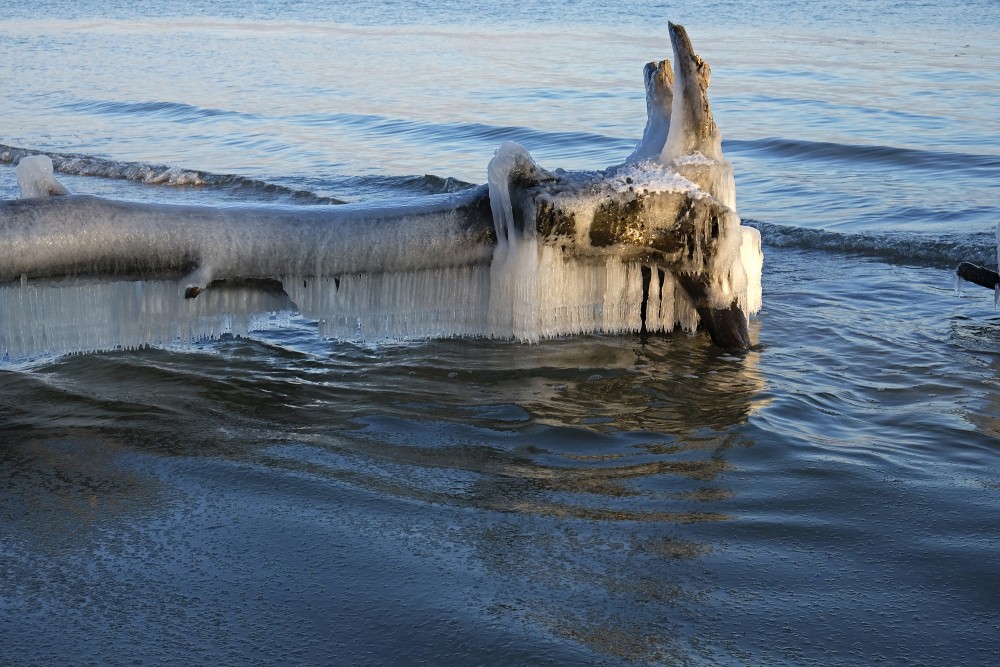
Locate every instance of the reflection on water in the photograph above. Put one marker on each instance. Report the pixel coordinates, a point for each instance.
(605, 428)
(564, 475)
(57, 489)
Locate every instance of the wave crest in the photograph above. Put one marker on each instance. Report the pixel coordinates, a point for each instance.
(908, 158)
(906, 248)
(152, 174)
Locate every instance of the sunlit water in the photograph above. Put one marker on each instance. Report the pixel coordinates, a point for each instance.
(830, 498)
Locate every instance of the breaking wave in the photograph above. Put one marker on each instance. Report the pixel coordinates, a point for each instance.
(907, 248)
(363, 187)
(153, 174)
(373, 186)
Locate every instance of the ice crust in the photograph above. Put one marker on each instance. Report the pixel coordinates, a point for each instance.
(528, 291)
(360, 279)
(537, 292)
(35, 178)
(67, 316)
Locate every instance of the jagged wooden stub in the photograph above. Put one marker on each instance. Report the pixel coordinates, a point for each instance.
(696, 132)
(659, 80)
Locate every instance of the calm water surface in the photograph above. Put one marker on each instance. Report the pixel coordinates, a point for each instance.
(830, 498)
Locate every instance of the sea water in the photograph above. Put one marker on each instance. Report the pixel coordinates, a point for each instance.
(832, 497)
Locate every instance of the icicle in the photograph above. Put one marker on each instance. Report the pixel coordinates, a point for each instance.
(653, 320)
(668, 314)
(509, 159)
(58, 317)
(513, 272)
(386, 306)
(752, 259)
(685, 314)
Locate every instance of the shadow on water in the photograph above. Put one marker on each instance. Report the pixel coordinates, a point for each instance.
(567, 476)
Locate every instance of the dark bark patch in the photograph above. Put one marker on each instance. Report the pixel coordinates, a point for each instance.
(550, 220)
(615, 220)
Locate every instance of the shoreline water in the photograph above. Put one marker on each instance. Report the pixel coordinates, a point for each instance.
(830, 498)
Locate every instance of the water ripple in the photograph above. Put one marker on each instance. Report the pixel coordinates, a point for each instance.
(908, 158)
(174, 111)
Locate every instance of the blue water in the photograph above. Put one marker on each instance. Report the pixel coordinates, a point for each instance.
(832, 498)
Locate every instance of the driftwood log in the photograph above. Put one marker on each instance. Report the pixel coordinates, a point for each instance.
(651, 244)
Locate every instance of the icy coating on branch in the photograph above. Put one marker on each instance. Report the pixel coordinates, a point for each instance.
(610, 245)
(47, 317)
(35, 178)
(659, 77)
(653, 244)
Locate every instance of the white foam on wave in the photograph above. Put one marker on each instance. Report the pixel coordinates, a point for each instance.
(152, 174)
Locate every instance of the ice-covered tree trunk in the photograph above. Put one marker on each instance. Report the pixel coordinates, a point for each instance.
(653, 244)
